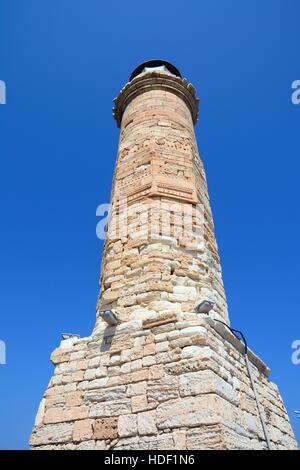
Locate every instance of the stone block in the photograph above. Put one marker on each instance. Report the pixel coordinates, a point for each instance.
(91, 374)
(196, 351)
(105, 428)
(106, 394)
(127, 425)
(147, 423)
(139, 403)
(160, 319)
(205, 437)
(192, 412)
(138, 388)
(206, 381)
(107, 409)
(52, 434)
(74, 399)
(86, 445)
(163, 389)
(83, 430)
(148, 361)
(179, 438)
(156, 372)
(162, 347)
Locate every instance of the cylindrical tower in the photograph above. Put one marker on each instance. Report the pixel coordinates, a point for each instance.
(160, 253)
(158, 373)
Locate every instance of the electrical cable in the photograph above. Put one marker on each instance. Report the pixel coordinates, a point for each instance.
(240, 336)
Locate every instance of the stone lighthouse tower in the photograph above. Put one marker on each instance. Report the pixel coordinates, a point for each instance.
(162, 368)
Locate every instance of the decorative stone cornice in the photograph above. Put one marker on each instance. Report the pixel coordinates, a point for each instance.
(156, 81)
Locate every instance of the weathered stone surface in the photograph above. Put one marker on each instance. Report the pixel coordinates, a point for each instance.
(163, 389)
(189, 412)
(100, 445)
(206, 381)
(194, 351)
(91, 374)
(114, 408)
(127, 425)
(158, 442)
(86, 445)
(139, 403)
(52, 433)
(193, 364)
(206, 437)
(106, 394)
(159, 320)
(83, 430)
(74, 399)
(138, 388)
(105, 428)
(59, 414)
(179, 438)
(147, 423)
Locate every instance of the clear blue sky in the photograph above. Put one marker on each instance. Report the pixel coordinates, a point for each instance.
(63, 62)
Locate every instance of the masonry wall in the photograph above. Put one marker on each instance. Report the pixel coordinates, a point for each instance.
(151, 259)
(172, 381)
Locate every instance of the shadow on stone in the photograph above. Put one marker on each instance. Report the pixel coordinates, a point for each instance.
(108, 335)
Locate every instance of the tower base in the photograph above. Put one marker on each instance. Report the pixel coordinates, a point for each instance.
(160, 381)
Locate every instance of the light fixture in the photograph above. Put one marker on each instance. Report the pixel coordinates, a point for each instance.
(205, 306)
(109, 317)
